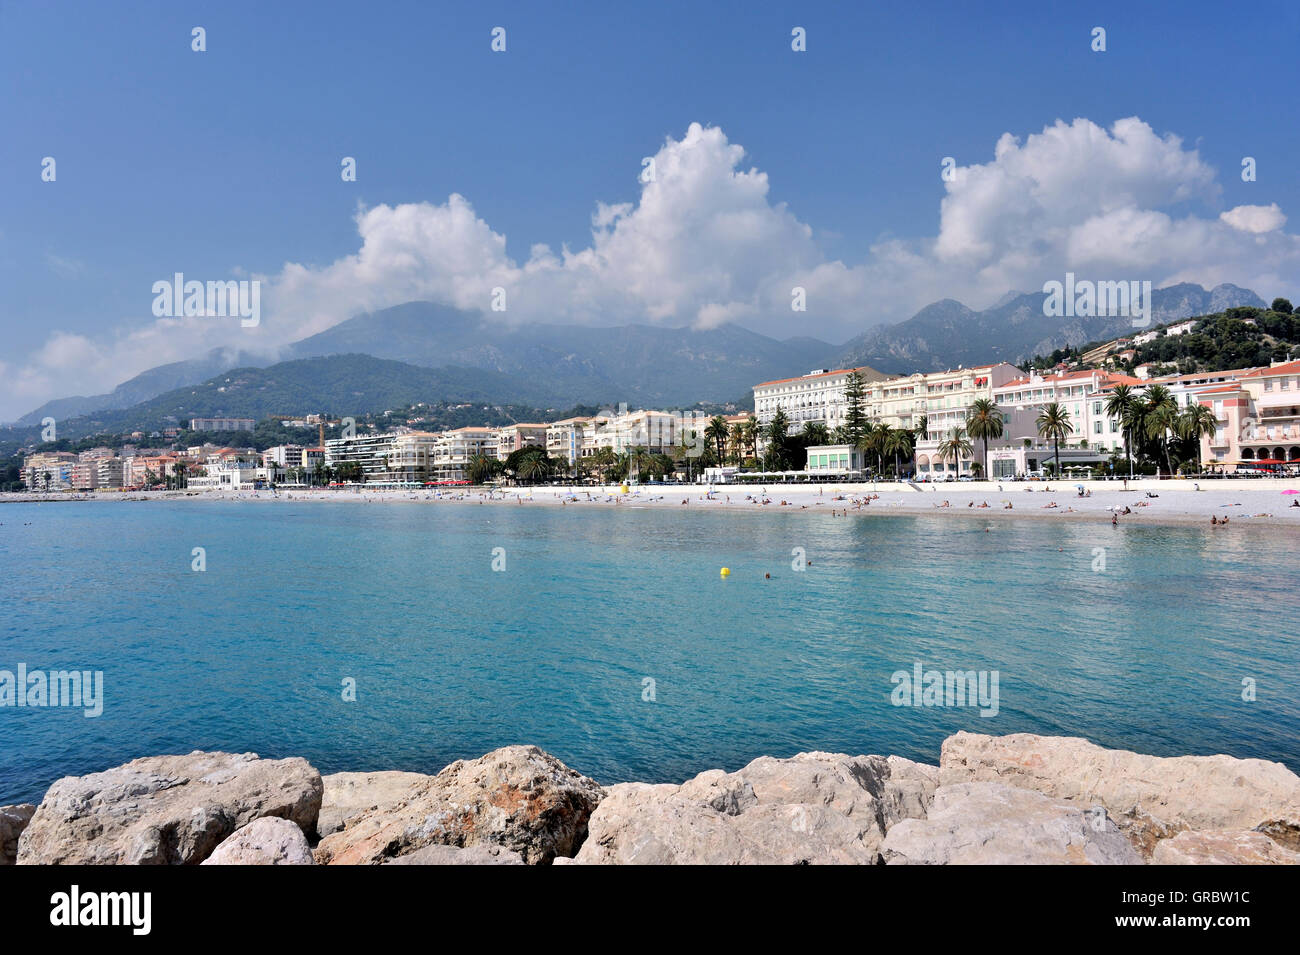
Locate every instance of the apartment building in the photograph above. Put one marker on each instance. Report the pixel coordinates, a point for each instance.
(455, 450)
(941, 400)
(513, 437)
(108, 473)
(565, 439)
(370, 451)
(48, 470)
(1258, 417)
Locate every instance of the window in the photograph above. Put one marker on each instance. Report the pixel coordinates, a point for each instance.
(1096, 407)
(1096, 427)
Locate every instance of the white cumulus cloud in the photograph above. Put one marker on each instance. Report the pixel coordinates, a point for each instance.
(706, 242)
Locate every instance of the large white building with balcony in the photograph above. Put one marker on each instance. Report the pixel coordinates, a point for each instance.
(816, 397)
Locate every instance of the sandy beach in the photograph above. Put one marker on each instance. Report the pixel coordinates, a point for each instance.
(1242, 502)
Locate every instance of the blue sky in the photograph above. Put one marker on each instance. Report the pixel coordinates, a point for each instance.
(226, 162)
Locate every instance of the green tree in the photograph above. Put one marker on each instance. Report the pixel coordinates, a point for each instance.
(898, 442)
(815, 433)
(855, 407)
(984, 421)
(1160, 416)
(955, 446)
(535, 466)
(639, 459)
(482, 469)
(1120, 405)
(717, 432)
(778, 443)
(1281, 305)
(749, 444)
(1054, 423)
(1195, 422)
(736, 439)
(605, 462)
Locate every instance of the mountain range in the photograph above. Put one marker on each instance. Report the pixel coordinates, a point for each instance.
(426, 352)
(1015, 329)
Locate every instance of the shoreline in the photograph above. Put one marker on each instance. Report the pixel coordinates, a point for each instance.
(1175, 502)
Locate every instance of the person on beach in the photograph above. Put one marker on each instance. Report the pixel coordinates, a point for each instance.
(1114, 520)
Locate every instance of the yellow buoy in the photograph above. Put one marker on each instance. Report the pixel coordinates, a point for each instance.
(623, 489)
(726, 571)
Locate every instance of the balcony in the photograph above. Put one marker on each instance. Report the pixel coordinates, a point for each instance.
(1280, 411)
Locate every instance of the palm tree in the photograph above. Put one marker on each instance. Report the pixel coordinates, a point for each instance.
(984, 421)
(736, 440)
(1195, 422)
(778, 435)
(534, 465)
(814, 432)
(750, 436)
(1054, 423)
(1160, 417)
(1120, 406)
(922, 427)
(638, 460)
(955, 446)
(481, 469)
(604, 461)
(898, 441)
(717, 432)
(867, 442)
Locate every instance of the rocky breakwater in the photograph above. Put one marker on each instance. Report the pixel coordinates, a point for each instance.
(991, 800)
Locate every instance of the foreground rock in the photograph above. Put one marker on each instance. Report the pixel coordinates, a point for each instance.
(1222, 847)
(1151, 798)
(517, 797)
(348, 795)
(166, 810)
(450, 855)
(817, 808)
(265, 841)
(992, 824)
(13, 820)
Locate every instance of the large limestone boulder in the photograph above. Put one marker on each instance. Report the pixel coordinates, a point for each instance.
(266, 841)
(166, 810)
(1150, 797)
(13, 820)
(818, 808)
(350, 794)
(1222, 847)
(992, 824)
(451, 855)
(517, 797)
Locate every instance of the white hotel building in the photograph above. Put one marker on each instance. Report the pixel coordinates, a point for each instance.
(817, 396)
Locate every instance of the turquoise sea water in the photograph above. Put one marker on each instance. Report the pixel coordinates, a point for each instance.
(452, 659)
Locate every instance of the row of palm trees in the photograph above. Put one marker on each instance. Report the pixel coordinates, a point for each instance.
(1154, 421)
(732, 444)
